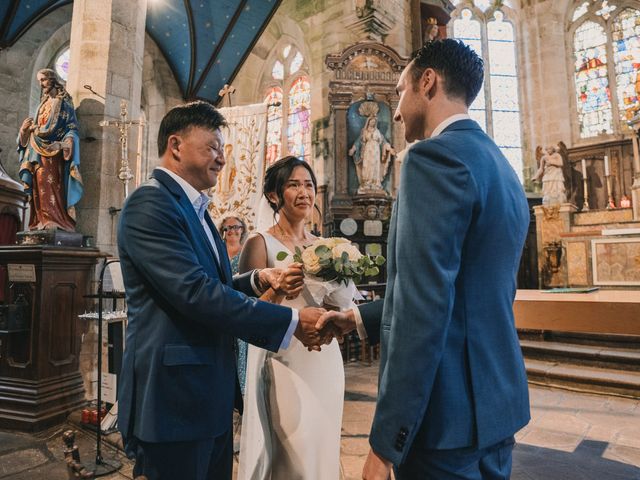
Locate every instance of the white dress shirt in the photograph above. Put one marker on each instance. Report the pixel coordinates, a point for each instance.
(448, 121)
(200, 201)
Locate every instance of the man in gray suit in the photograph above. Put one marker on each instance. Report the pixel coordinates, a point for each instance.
(452, 387)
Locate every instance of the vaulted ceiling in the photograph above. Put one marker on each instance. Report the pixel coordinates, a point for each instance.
(204, 41)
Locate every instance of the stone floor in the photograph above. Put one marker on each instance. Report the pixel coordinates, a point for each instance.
(572, 436)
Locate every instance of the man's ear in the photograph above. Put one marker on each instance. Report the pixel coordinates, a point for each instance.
(428, 83)
(173, 144)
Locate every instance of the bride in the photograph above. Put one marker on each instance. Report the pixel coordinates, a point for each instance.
(293, 398)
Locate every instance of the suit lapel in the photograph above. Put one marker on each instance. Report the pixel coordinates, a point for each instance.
(191, 217)
(224, 266)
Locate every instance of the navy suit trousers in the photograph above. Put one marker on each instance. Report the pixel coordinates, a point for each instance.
(491, 463)
(210, 459)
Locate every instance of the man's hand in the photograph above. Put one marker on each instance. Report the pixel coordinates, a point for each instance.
(288, 282)
(376, 467)
(306, 330)
(344, 322)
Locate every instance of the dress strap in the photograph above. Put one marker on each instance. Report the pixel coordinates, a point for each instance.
(271, 244)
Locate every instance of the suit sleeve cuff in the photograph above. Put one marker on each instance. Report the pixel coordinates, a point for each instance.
(254, 282)
(362, 332)
(290, 331)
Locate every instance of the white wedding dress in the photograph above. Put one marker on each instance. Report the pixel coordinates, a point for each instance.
(292, 406)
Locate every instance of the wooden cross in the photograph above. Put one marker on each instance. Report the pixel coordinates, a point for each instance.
(123, 126)
(227, 91)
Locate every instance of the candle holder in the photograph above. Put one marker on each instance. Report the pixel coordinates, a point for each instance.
(585, 205)
(611, 202)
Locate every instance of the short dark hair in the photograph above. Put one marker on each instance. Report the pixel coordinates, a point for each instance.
(461, 67)
(277, 175)
(183, 117)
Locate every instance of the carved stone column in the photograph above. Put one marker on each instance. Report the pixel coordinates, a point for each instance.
(107, 49)
(635, 187)
(341, 202)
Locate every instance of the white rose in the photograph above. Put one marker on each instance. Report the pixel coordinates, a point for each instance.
(310, 260)
(351, 250)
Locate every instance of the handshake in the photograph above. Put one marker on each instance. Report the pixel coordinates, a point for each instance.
(316, 326)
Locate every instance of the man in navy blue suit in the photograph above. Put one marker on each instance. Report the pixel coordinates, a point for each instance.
(452, 387)
(178, 378)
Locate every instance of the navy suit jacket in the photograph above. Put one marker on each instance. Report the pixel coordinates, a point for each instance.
(451, 372)
(178, 373)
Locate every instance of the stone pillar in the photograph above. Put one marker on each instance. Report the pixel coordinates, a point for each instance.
(107, 48)
(341, 201)
(551, 222)
(635, 187)
(544, 78)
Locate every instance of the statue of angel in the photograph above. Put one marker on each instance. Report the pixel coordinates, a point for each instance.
(553, 172)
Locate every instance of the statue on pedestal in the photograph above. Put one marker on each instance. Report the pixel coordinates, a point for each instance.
(371, 152)
(552, 172)
(48, 146)
(431, 30)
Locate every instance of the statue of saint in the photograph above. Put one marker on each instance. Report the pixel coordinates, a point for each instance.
(227, 176)
(49, 152)
(551, 172)
(431, 30)
(372, 155)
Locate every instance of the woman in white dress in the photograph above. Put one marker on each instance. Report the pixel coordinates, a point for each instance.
(293, 398)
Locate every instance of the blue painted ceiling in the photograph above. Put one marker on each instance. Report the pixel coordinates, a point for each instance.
(204, 41)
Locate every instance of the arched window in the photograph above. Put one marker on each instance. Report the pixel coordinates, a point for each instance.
(288, 97)
(606, 52)
(61, 63)
(487, 29)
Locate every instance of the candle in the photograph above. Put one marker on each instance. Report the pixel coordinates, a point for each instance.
(584, 169)
(606, 166)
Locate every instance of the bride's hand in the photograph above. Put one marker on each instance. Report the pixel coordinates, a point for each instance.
(291, 281)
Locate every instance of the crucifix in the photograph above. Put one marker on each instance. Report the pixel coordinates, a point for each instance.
(227, 91)
(123, 126)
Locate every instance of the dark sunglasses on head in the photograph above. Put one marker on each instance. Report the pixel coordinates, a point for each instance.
(232, 227)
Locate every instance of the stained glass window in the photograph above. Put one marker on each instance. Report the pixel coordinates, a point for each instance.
(469, 30)
(296, 63)
(580, 11)
(299, 121)
(273, 100)
(592, 83)
(497, 106)
(626, 55)
(603, 108)
(505, 104)
(278, 70)
(61, 64)
(289, 106)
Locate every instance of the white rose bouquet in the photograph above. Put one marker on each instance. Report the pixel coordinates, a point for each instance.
(331, 263)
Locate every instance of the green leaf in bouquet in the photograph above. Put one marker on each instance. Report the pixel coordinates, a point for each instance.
(339, 268)
(344, 257)
(380, 260)
(281, 256)
(322, 251)
(325, 262)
